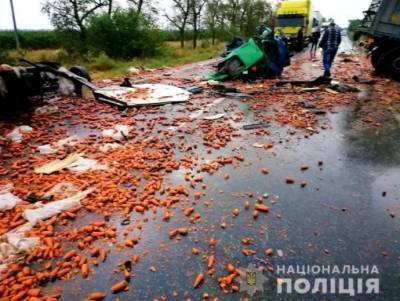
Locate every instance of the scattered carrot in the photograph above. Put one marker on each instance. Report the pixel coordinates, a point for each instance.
(289, 180)
(261, 207)
(85, 270)
(96, 296)
(199, 280)
(119, 286)
(269, 252)
(211, 261)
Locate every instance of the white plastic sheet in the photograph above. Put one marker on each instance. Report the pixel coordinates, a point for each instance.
(46, 110)
(108, 146)
(84, 164)
(7, 199)
(50, 209)
(16, 241)
(46, 149)
(16, 134)
(117, 132)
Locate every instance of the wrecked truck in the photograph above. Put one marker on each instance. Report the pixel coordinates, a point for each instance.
(19, 83)
(381, 25)
(259, 57)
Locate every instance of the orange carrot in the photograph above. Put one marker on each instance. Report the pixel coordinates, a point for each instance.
(261, 207)
(119, 286)
(96, 296)
(85, 270)
(211, 261)
(199, 280)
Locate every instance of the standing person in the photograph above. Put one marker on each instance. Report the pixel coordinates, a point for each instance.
(330, 44)
(315, 36)
(300, 39)
(261, 28)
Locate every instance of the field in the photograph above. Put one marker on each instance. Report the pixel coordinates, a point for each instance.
(102, 66)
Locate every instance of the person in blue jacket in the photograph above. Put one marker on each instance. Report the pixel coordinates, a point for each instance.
(330, 45)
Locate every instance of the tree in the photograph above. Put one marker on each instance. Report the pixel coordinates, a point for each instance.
(233, 8)
(236, 17)
(196, 9)
(73, 14)
(354, 25)
(138, 4)
(123, 35)
(255, 12)
(213, 15)
(110, 7)
(144, 6)
(352, 30)
(180, 18)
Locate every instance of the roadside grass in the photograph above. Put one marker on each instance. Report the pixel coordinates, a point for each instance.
(102, 66)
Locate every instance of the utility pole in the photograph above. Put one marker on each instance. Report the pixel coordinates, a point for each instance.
(15, 26)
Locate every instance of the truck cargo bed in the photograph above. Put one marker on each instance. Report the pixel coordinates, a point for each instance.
(382, 19)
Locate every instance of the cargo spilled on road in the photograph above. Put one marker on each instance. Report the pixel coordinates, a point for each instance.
(183, 195)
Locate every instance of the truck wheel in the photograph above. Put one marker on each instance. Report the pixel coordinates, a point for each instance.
(392, 59)
(82, 72)
(377, 60)
(232, 67)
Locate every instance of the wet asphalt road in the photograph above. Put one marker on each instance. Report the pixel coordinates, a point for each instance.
(340, 218)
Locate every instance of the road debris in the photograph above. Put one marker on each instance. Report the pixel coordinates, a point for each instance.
(120, 197)
(7, 199)
(18, 133)
(214, 117)
(255, 126)
(46, 110)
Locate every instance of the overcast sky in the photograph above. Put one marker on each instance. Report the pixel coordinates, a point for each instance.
(29, 15)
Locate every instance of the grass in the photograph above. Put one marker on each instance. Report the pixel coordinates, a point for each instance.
(104, 67)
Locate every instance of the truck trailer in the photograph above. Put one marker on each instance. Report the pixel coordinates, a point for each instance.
(291, 15)
(381, 25)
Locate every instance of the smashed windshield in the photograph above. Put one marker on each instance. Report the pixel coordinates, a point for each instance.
(289, 21)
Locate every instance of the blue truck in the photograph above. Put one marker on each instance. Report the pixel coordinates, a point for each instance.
(381, 25)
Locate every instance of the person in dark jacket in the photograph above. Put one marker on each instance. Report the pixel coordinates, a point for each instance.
(300, 39)
(315, 36)
(330, 44)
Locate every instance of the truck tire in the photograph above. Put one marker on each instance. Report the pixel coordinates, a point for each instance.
(82, 72)
(231, 67)
(377, 60)
(392, 62)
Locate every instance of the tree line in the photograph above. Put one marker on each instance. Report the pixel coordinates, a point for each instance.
(93, 26)
(219, 18)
